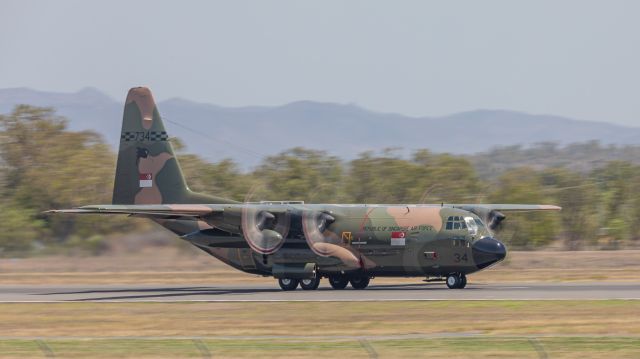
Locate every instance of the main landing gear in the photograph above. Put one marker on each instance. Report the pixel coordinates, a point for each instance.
(456, 281)
(306, 284)
(288, 283)
(336, 281)
(310, 284)
(341, 281)
(359, 282)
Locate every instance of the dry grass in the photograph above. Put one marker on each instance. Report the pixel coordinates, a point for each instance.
(321, 318)
(501, 329)
(453, 348)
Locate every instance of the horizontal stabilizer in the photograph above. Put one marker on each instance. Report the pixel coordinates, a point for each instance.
(165, 210)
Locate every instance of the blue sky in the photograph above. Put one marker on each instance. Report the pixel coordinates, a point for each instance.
(573, 58)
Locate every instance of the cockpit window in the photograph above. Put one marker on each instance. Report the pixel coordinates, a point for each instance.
(471, 223)
(460, 222)
(456, 222)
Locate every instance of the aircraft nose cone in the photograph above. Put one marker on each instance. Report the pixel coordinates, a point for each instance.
(487, 251)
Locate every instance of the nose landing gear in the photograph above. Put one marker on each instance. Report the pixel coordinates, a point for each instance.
(456, 281)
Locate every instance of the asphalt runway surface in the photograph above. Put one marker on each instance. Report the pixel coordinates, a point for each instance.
(265, 293)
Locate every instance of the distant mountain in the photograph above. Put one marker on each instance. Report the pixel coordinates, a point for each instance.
(247, 134)
(87, 109)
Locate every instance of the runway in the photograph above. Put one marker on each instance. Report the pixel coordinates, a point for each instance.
(267, 293)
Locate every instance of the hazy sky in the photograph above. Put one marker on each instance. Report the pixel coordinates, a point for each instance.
(574, 58)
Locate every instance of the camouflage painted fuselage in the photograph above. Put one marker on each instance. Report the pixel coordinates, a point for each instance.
(381, 240)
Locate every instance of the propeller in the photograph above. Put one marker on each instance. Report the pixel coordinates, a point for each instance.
(263, 228)
(314, 224)
(264, 231)
(490, 217)
(494, 218)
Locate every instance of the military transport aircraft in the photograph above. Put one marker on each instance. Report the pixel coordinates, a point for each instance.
(295, 242)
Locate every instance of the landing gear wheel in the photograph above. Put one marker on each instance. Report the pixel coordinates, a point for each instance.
(338, 282)
(463, 281)
(360, 282)
(310, 284)
(288, 283)
(456, 281)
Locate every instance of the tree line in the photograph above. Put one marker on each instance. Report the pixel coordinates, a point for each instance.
(44, 165)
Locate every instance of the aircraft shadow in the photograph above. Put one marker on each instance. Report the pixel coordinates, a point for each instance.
(415, 286)
(177, 292)
(167, 292)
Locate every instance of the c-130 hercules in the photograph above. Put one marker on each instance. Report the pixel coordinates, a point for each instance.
(298, 243)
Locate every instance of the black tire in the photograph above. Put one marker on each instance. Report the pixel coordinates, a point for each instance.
(360, 282)
(463, 281)
(453, 281)
(310, 284)
(338, 282)
(288, 283)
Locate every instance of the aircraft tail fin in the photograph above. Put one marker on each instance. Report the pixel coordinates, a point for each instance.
(147, 170)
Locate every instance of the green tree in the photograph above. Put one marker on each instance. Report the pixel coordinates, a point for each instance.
(299, 174)
(222, 179)
(446, 178)
(426, 177)
(381, 179)
(18, 228)
(579, 199)
(620, 197)
(526, 230)
(46, 167)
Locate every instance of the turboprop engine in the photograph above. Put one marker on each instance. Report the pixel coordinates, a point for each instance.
(267, 227)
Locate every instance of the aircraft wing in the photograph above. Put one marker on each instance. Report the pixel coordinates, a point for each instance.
(507, 207)
(492, 213)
